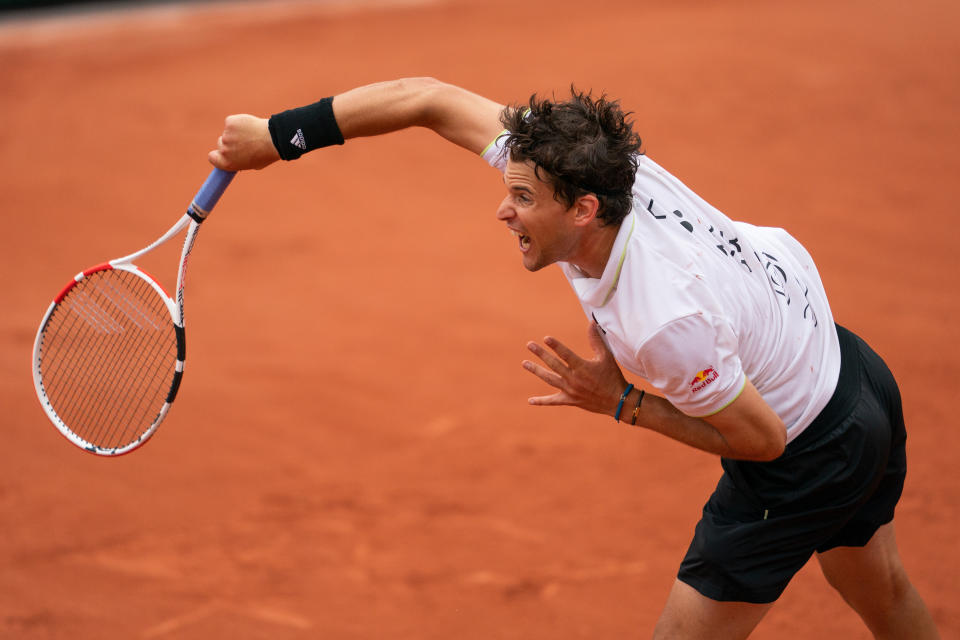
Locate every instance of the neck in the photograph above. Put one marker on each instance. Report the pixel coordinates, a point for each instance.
(594, 250)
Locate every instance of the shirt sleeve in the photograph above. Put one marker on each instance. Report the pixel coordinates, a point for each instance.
(495, 153)
(694, 362)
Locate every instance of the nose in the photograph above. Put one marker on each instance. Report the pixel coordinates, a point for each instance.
(505, 211)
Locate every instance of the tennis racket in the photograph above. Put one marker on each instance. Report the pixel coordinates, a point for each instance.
(108, 357)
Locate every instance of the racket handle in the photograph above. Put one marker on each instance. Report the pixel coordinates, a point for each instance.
(214, 186)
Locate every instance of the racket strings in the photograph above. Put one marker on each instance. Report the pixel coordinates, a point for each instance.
(103, 362)
(105, 401)
(122, 364)
(107, 357)
(116, 403)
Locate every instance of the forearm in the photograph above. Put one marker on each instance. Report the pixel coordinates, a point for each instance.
(657, 414)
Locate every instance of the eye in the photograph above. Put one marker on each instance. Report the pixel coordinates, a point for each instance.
(523, 198)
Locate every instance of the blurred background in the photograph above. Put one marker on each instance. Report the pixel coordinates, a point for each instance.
(351, 454)
(24, 6)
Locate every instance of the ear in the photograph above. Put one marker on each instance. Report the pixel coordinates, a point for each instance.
(585, 209)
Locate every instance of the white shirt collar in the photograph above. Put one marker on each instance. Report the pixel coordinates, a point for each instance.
(596, 292)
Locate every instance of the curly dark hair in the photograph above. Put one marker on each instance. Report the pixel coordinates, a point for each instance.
(584, 145)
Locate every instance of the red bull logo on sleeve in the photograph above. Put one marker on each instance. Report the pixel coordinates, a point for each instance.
(703, 379)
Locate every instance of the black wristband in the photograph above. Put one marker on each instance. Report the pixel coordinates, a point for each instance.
(296, 131)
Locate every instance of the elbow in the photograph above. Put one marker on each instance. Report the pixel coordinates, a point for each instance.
(770, 454)
(763, 444)
(424, 89)
(772, 447)
(424, 98)
(418, 85)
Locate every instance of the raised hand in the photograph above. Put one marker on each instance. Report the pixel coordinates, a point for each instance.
(594, 384)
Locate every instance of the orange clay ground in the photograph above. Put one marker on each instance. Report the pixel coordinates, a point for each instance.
(352, 455)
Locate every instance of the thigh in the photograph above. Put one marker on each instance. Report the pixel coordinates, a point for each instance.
(859, 572)
(873, 581)
(690, 615)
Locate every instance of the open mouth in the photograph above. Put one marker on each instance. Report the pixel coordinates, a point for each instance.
(524, 240)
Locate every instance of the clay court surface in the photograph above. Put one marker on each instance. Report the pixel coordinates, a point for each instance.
(351, 455)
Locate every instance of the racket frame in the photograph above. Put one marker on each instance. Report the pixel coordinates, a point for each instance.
(197, 212)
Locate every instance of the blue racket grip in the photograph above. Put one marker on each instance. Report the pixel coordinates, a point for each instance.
(214, 186)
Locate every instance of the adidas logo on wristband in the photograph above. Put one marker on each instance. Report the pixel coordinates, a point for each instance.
(298, 141)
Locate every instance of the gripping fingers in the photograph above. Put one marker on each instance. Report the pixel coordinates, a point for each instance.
(244, 144)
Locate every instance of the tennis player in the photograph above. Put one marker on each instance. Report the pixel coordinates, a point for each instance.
(727, 323)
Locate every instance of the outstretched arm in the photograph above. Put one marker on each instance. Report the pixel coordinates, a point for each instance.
(464, 118)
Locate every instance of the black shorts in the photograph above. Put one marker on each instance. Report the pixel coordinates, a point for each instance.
(834, 485)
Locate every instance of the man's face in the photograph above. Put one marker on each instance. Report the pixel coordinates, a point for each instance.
(543, 226)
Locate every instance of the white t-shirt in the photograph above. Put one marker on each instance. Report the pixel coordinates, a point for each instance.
(696, 304)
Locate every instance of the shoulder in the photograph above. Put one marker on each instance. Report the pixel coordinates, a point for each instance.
(662, 280)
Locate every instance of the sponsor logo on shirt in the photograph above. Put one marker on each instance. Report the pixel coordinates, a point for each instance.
(703, 379)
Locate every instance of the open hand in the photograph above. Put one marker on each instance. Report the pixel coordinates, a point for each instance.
(595, 384)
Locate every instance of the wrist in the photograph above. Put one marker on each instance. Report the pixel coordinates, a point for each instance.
(623, 399)
(296, 131)
(629, 404)
(636, 409)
